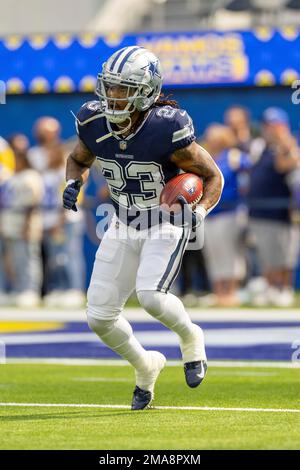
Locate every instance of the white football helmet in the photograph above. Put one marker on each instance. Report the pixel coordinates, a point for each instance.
(137, 72)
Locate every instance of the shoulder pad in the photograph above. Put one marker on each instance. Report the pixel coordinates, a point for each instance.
(175, 115)
(88, 112)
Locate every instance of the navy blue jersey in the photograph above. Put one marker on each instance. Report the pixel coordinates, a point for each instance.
(136, 167)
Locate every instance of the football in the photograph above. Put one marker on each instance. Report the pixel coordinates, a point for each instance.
(188, 185)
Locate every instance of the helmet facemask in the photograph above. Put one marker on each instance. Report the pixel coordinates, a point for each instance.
(130, 93)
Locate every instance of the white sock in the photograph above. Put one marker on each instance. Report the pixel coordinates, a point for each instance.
(169, 310)
(118, 336)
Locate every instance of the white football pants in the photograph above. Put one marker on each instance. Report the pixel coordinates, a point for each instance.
(148, 261)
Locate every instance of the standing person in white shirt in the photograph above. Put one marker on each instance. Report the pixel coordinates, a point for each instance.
(21, 224)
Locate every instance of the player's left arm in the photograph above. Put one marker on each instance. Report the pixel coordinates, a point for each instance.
(195, 159)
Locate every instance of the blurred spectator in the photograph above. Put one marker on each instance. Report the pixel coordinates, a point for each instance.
(19, 144)
(222, 247)
(21, 225)
(64, 274)
(238, 119)
(47, 134)
(54, 236)
(7, 166)
(274, 155)
(74, 227)
(96, 192)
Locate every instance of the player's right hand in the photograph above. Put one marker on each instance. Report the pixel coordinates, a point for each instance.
(185, 217)
(70, 195)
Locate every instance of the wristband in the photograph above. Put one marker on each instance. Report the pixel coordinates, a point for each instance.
(70, 181)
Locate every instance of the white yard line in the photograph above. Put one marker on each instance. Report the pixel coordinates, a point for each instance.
(100, 379)
(187, 408)
(217, 373)
(171, 363)
(242, 373)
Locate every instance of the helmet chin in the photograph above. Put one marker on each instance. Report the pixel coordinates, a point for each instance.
(116, 117)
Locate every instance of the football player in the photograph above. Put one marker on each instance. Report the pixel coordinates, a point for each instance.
(141, 142)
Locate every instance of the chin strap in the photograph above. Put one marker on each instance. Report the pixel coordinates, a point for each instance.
(111, 134)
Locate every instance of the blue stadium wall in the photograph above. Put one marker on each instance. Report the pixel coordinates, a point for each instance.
(204, 105)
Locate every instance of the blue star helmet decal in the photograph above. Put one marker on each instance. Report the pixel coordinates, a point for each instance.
(152, 69)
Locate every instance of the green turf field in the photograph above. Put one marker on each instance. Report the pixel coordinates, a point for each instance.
(28, 427)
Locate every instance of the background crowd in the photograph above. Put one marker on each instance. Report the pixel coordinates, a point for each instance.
(251, 238)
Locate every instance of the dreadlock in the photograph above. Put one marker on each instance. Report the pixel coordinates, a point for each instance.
(164, 101)
(160, 102)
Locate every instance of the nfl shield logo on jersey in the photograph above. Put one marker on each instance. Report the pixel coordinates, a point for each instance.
(123, 144)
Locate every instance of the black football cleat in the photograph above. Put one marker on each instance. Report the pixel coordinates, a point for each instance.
(195, 372)
(141, 399)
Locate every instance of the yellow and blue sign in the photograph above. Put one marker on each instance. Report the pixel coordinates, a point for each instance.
(64, 64)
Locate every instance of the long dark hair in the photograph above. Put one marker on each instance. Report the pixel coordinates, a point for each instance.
(165, 101)
(162, 101)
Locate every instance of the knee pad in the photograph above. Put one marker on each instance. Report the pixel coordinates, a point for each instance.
(113, 333)
(166, 308)
(99, 326)
(152, 301)
(103, 301)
